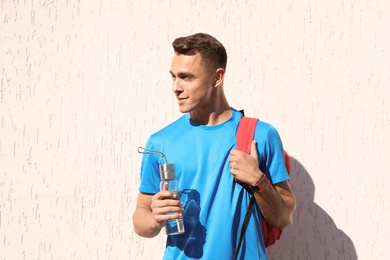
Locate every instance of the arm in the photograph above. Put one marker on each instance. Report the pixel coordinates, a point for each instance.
(151, 212)
(276, 202)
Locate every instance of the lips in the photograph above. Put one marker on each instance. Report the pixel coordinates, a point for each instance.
(181, 100)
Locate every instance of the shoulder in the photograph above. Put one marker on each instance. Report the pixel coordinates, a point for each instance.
(265, 130)
(172, 128)
(268, 139)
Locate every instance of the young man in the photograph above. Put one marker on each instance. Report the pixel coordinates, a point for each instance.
(201, 145)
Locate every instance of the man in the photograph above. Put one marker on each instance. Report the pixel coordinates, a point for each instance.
(201, 145)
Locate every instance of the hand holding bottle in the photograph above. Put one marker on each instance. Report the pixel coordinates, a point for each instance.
(165, 207)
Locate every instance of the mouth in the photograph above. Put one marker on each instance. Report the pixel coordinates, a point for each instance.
(181, 100)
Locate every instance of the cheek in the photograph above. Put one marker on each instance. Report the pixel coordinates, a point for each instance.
(199, 90)
(201, 93)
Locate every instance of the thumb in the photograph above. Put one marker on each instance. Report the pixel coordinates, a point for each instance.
(254, 149)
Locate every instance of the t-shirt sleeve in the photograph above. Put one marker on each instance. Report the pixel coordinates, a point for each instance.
(272, 155)
(150, 175)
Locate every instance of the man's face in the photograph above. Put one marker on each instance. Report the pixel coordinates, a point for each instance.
(192, 83)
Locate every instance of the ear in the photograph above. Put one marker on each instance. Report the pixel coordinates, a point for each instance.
(219, 76)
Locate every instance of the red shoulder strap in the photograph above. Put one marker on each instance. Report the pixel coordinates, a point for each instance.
(245, 133)
(287, 162)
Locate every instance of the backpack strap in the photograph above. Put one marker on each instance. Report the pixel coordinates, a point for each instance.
(287, 162)
(244, 137)
(245, 133)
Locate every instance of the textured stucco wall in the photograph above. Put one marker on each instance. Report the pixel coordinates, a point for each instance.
(84, 83)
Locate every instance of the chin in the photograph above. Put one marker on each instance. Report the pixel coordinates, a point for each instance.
(183, 109)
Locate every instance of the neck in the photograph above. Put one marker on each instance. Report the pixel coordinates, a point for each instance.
(217, 113)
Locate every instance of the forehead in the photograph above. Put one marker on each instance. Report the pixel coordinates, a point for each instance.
(182, 63)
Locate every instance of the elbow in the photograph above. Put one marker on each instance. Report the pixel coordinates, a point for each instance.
(141, 228)
(143, 234)
(287, 218)
(283, 223)
(136, 228)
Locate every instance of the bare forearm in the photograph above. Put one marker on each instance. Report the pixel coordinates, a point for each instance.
(144, 223)
(277, 204)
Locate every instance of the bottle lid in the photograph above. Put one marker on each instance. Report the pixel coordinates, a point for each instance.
(167, 171)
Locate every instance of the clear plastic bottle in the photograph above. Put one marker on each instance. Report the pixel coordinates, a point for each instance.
(169, 182)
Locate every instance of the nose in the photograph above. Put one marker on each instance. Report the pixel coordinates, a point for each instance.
(176, 86)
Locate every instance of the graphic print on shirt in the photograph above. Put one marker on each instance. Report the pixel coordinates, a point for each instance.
(191, 242)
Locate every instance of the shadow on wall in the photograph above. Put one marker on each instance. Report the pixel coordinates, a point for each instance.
(313, 235)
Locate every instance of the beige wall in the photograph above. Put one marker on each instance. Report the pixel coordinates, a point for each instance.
(84, 83)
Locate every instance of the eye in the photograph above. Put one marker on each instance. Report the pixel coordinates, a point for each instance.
(186, 77)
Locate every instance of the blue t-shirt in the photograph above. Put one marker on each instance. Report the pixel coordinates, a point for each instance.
(214, 204)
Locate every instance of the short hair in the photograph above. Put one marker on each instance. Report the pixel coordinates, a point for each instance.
(213, 53)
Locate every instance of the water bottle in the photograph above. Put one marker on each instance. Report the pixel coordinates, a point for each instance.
(169, 182)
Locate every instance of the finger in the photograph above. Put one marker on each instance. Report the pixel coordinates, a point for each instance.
(254, 149)
(166, 210)
(235, 152)
(163, 218)
(165, 206)
(164, 194)
(233, 165)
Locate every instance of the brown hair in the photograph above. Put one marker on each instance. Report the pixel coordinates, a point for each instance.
(213, 53)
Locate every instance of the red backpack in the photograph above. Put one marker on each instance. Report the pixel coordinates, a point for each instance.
(244, 137)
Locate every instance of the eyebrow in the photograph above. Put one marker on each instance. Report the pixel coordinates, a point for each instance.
(183, 74)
